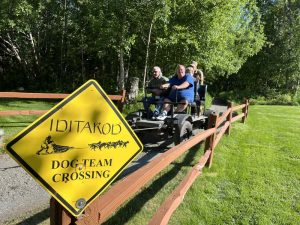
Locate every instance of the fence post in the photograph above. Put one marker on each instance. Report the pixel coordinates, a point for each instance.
(209, 143)
(58, 214)
(229, 117)
(122, 102)
(245, 111)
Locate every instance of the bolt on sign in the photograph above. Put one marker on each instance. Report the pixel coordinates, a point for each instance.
(77, 148)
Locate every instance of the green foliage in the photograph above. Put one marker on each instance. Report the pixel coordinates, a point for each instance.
(276, 66)
(279, 99)
(58, 45)
(208, 100)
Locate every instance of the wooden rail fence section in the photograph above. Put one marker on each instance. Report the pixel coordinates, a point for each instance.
(106, 204)
(120, 99)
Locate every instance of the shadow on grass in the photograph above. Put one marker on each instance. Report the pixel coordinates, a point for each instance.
(136, 204)
(36, 218)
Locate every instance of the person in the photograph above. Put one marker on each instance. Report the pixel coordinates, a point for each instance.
(198, 73)
(154, 88)
(199, 87)
(182, 91)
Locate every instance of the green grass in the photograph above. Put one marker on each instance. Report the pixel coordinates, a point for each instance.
(254, 179)
(13, 124)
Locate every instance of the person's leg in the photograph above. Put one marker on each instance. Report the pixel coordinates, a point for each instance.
(166, 109)
(160, 103)
(166, 105)
(147, 101)
(182, 105)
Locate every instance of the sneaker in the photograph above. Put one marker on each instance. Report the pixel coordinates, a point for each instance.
(156, 113)
(162, 116)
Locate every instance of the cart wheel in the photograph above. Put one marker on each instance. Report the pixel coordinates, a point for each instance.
(183, 132)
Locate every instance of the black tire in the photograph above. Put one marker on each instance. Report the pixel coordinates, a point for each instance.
(183, 132)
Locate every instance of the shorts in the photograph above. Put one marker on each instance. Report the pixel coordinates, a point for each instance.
(179, 98)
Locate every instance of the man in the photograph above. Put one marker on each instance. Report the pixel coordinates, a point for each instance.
(154, 88)
(182, 91)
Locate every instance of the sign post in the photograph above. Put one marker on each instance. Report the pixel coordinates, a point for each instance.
(77, 148)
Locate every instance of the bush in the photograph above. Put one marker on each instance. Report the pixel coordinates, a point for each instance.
(280, 99)
(296, 100)
(260, 100)
(271, 97)
(208, 100)
(284, 99)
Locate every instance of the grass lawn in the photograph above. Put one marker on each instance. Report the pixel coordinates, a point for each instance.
(254, 179)
(13, 124)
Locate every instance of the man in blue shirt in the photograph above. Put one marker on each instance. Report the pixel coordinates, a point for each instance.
(182, 91)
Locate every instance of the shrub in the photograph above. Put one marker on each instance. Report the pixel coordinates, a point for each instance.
(208, 100)
(296, 100)
(284, 99)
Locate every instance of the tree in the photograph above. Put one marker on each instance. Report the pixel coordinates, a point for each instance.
(275, 69)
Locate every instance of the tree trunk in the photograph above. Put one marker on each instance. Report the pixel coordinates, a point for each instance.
(147, 53)
(82, 61)
(133, 88)
(63, 47)
(122, 70)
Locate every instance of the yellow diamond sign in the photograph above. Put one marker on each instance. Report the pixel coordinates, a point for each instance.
(78, 148)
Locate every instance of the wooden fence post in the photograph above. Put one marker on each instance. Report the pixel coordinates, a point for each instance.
(229, 117)
(122, 102)
(245, 111)
(209, 143)
(58, 214)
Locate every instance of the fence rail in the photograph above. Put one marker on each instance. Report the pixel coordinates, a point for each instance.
(106, 204)
(120, 99)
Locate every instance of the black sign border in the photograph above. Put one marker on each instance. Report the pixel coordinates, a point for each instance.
(10, 149)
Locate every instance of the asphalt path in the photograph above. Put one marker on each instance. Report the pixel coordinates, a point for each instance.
(21, 195)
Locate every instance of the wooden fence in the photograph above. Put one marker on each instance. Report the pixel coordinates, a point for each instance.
(107, 203)
(119, 99)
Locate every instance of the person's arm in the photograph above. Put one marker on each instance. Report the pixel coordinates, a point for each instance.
(165, 86)
(181, 86)
(187, 83)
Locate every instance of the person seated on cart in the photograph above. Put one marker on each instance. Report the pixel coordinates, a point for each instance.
(182, 92)
(154, 88)
(199, 87)
(197, 74)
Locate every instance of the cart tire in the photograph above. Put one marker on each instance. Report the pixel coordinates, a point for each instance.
(183, 132)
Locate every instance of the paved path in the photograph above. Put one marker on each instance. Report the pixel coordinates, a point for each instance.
(19, 192)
